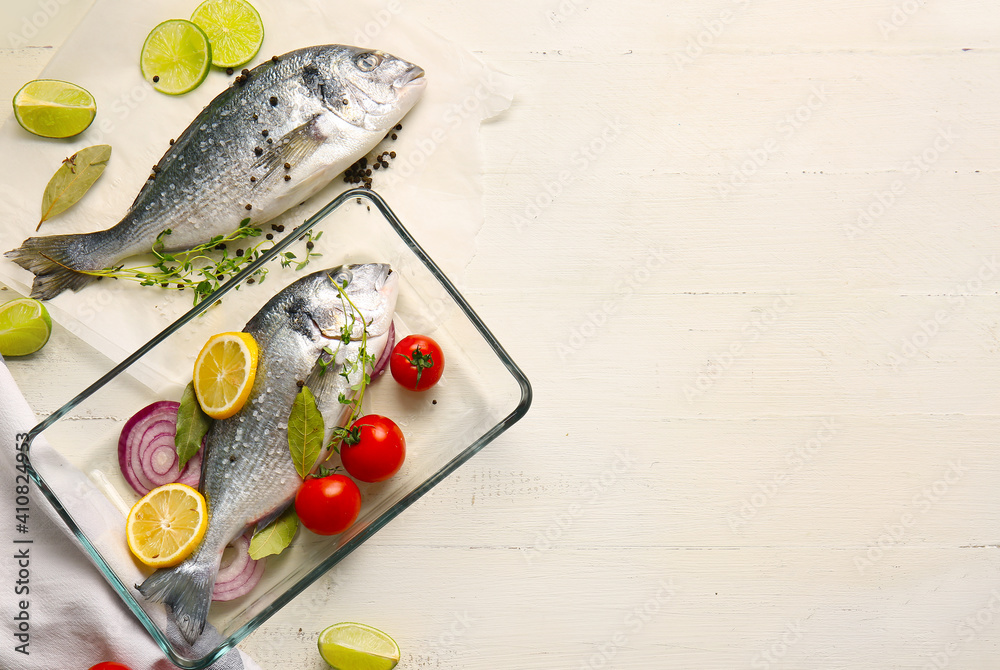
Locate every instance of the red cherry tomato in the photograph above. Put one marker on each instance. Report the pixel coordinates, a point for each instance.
(374, 449)
(417, 362)
(328, 505)
(109, 665)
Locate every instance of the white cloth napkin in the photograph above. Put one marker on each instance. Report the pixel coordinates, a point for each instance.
(58, 612)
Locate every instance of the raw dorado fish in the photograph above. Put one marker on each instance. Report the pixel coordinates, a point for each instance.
(248, 477)
(268, 142)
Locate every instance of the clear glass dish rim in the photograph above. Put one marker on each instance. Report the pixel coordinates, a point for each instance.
(513, 417)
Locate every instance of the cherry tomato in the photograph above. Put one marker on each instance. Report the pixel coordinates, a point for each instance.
(374, 449)
(417, 362)
(109, 665)
(328, 505)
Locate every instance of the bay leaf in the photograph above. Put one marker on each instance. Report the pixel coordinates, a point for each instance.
(277, 535)
(73, 179)
(192, 424)
(305, 432)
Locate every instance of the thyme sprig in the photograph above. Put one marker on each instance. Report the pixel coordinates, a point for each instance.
(205, 267)
(364, 363)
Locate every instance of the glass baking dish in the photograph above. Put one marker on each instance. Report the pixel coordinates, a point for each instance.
(482, 394)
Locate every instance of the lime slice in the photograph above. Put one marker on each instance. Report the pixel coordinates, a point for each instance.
(53, 108)
(176, 57)
(355, 646)
(25, 327)
(233, 27)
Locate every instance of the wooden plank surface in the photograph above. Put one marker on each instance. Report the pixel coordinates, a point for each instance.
(747, 253)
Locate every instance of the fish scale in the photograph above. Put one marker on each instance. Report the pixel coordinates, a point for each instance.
(323, 108)
(291, 330)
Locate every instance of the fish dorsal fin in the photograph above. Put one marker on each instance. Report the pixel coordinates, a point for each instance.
(290, 149)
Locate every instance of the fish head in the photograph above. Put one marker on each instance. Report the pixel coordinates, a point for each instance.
(368, 288)
(373, 90)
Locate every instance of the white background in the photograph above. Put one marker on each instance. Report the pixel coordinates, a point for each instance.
(747, 254)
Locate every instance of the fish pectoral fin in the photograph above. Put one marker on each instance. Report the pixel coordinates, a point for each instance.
(291, 148)
(268, 519)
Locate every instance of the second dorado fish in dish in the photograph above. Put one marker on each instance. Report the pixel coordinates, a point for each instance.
(275, 137)
(247, 475)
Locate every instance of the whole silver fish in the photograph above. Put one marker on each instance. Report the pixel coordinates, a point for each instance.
(248, 477)
(268, 142)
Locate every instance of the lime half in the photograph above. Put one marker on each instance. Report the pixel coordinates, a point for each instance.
(355, 646)
(53, 108)
(233, 27)
(25, 327)
(176, 57)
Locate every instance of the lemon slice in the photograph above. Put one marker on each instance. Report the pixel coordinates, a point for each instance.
(25, 327)
(355, 646)
(224, 373)
(233, 27)
(175, 57)
(53, 108)
(166, 525)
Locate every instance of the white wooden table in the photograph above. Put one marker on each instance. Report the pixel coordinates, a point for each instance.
(747, 253)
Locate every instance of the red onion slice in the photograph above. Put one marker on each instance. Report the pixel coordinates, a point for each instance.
(147, 455)
(383, 360)
(238, 573)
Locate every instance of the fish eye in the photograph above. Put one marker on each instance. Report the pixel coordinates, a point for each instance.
(342, 278)
(368, 61)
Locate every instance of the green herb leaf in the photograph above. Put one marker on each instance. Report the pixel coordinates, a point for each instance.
(305, 431)
(192, 424)
(73, 179)
(275, 536)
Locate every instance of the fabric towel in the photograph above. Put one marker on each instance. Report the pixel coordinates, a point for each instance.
(57, 609)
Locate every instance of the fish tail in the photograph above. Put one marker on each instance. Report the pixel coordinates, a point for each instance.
(187, 591)
(55, 262)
